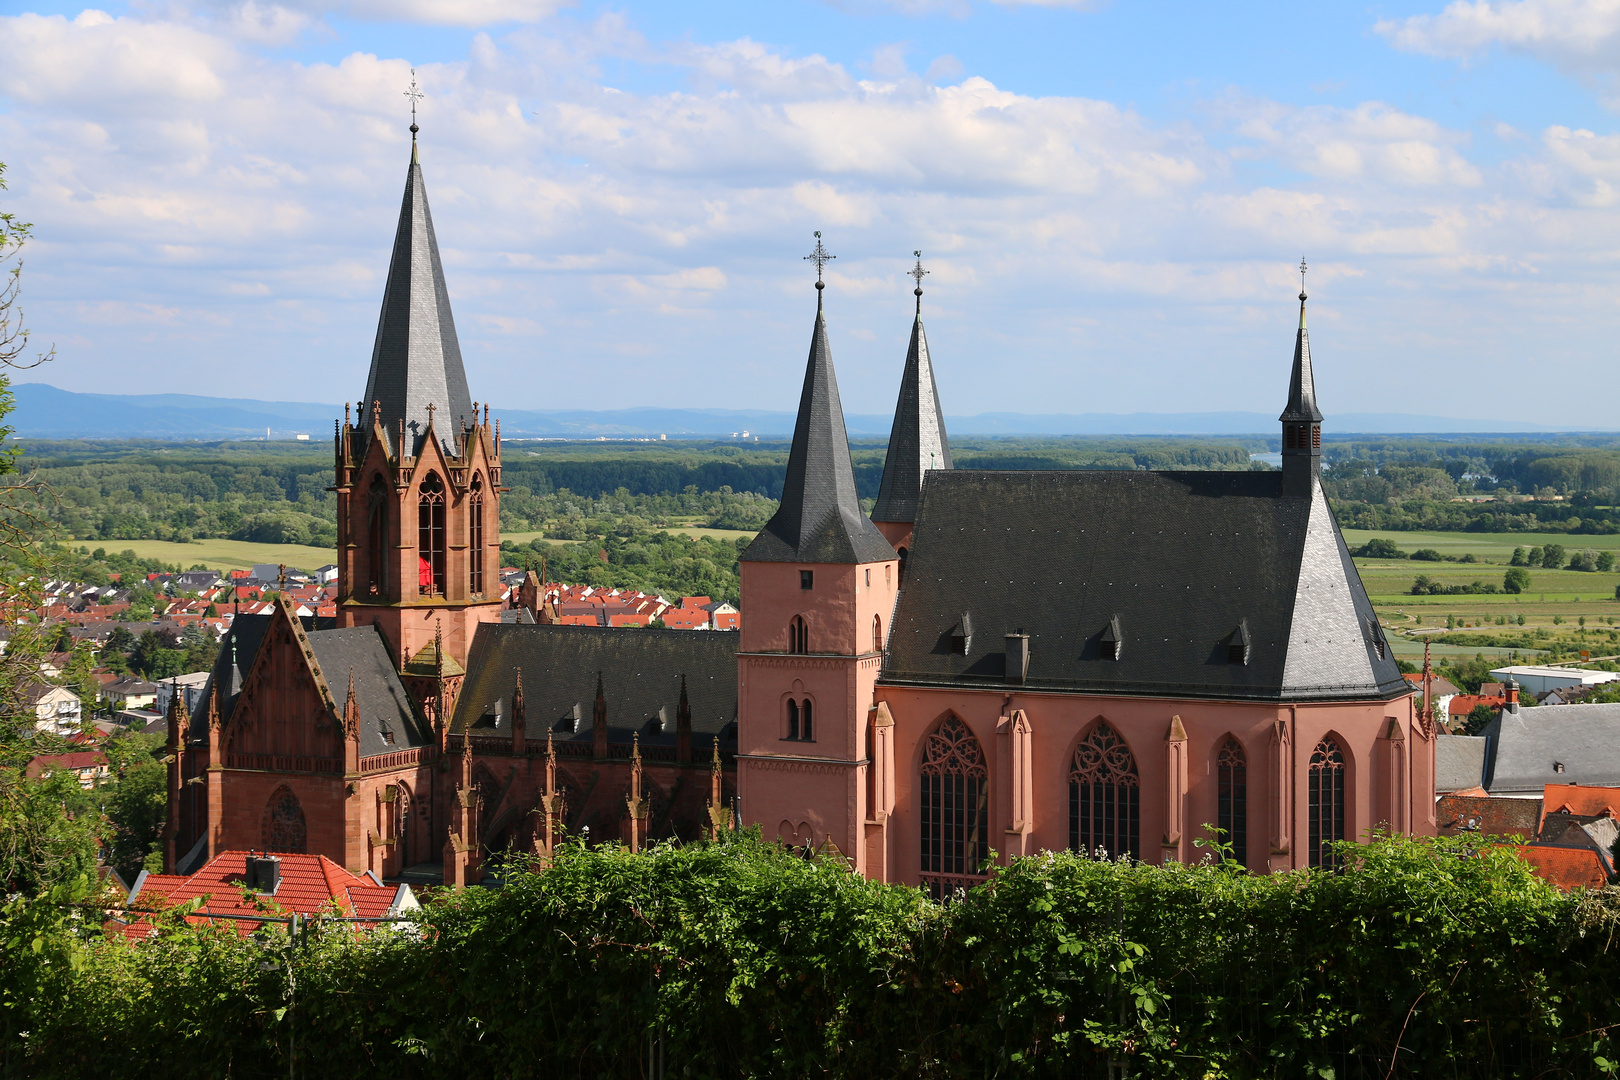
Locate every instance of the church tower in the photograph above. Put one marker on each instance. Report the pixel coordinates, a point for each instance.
(418, 475)
(1301, 419)
(917, 442)
(818, 586)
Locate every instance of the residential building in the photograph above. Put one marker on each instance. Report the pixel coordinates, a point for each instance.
(190, 687)
(56, 708)
(129, 692)
(89, 765)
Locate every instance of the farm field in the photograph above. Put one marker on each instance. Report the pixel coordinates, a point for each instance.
(1496, 547)
(219, 554)
(682, 530)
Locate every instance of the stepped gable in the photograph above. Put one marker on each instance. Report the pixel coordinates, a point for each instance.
(1190, 563)
(416, 361)
(917, 442)
(819, 519)
(640, 670)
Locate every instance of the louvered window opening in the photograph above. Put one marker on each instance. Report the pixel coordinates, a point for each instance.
(475, 529)
(430, 536)
(798, 635)
(377, 537)
(1232, 799)
(955, 810)
(1326, 803)
(1105, 796)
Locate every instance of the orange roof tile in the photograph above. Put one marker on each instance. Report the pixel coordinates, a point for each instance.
(1580, 799)
(1567, 868)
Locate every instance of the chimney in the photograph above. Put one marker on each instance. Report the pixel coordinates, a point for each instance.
(263, 873)
(1512, 706)
(1017, 656)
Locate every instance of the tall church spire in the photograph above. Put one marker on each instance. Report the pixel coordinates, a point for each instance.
(819, 519)
(917, 442)
(1301, 419)
(416, 361)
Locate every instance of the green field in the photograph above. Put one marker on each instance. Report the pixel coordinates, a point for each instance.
(1496, 547)
(683, 530)
(219, 555)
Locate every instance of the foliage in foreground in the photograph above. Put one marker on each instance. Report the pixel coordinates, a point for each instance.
(742, 960)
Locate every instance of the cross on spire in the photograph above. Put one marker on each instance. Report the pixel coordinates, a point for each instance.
(820, 257)
(917, 273)
(1302, 277)
(415, 95)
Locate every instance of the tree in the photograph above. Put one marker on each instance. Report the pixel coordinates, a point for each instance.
(1552, 556)
(1518, 557)
(1477, 718)
(1516, 580)
(1605, 562)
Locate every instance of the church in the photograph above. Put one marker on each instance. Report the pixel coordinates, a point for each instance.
(991, 664)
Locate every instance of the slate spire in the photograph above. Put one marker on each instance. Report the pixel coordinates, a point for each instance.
(819, 519)
(416, 361)
(917, 442)
(1301, 419)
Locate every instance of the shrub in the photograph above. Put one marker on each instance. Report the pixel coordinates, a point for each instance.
(1379, 548)
(1516, 580)
(1427, 555)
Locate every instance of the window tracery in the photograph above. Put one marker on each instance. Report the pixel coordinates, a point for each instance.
(430, 535)
(475, 539)
(1232, 798)
(284, 827)
(1105, 796)
(955, 808)
(1326, 802)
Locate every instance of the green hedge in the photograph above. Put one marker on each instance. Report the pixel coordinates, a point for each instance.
(740, 959)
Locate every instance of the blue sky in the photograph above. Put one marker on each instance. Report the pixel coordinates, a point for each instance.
(1110, 197)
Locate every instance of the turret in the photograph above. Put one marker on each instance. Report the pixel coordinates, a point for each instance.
(1301, 419)
(917, 442)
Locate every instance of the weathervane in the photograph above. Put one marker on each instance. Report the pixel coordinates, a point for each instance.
(917, 273)
(1302, 277)
(821, 258)
(415, 95)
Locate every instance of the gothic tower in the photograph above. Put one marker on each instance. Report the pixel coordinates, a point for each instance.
(819, 586)
(917, 442)
(1301, 419)
(418, 475)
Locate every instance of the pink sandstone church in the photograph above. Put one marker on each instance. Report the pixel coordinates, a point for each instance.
(992, 664)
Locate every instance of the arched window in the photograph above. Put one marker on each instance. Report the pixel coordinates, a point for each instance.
(877, 633)
(902, 553)
(284, 822)
(798, 635)
(1232, 798)
(1105, 796)
(792, 718)
(955, 809)
(1326, 808)
(807, 728)
(377, 537)
(475, 538)
(430, 535)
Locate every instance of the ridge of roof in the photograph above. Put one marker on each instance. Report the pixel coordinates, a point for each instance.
(416, 360)
(917, 441)
(819, 519)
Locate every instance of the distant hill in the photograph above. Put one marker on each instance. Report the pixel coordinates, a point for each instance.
(45, 412)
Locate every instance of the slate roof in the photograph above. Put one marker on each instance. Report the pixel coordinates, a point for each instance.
(416, 360)
(1527, 749)
(819, 519)
(641, 673)
(1183, 560)
(1459, 762)
(917, 442)
(1301, 407)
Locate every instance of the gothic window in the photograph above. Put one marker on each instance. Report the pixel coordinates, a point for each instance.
(792, 718)
(1232, 798)
(798, 635)
(955, 809)
(1326, 807)
(377, 537)
(475, 539)
(284, 822)
(1105, 796)
(877, 633)
(807, 729)
(430, 535)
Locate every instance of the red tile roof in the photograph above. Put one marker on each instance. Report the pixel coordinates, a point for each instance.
(1581, 800)
(310, 884)
(1472, 811)
(1567, 868)
(79, 760)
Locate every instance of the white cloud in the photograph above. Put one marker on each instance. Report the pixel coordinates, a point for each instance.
(1580, 32)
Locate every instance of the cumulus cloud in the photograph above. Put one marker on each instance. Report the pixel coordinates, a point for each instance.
(1579, 32)
(209, 210)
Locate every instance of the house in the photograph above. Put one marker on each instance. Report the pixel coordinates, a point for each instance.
(190, 688)
(129, 692)
(236, 885)
(89, 765)
(327, 574)
(1537, 679)
(56, 708)
(1473, 811)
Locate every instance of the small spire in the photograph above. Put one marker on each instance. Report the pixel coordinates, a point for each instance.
(917, 273)
(821, 258)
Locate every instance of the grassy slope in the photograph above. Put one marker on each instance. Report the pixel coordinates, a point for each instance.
(220, 554)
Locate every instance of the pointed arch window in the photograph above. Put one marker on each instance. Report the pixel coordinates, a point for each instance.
(475, 537)
(1105, 796)
(1326, 805)
(284, 828)
(430, 535)
(877, 633)
(377, 537)
(798, 635)
(1232, 798)
(955, 809)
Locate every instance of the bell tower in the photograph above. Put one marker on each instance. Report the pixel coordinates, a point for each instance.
(418, 468)
(818, 585)
(1301, 419)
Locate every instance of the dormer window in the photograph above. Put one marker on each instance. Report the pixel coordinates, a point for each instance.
(1108, 646)
(1375, 634)
(1237, 646)
(961, 635)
